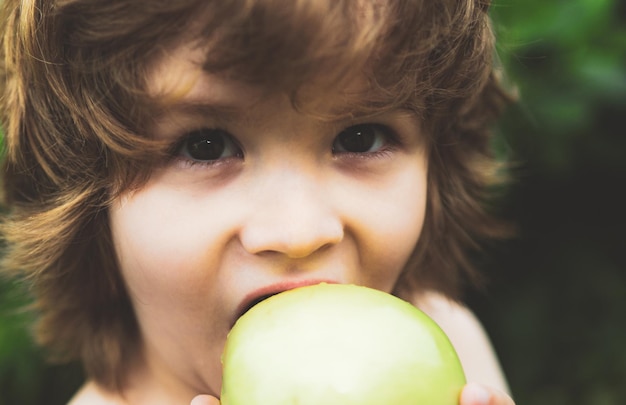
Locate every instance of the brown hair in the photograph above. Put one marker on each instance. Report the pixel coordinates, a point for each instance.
(74, 102)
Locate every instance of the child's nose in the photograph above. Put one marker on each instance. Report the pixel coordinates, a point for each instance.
(294, 219)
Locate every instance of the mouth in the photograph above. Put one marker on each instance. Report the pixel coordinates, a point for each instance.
(264, 293)
(252, 303)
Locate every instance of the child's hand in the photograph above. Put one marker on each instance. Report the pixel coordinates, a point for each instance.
(205, 400)
(473, 394)
(476, 394)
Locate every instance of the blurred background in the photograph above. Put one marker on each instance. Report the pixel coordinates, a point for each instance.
(555, 305)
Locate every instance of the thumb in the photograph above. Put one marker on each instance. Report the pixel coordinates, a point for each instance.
(204, 400)
(475, 394)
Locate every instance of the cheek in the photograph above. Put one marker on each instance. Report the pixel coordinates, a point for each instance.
(399, 225)
(167, 265)
(388, 223)
(170, 262)
(164, 252)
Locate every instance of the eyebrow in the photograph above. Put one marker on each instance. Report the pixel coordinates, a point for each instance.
(227, 113)
(202, 108)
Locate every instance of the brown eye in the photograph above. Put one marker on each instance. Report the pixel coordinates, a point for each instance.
(364, 138)
(208, 145)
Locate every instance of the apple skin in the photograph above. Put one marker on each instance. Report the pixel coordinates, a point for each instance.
(333, 344)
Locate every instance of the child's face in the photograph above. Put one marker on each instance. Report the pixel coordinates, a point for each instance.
(258, 198)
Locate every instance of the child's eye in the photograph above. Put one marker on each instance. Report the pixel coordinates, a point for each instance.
(206, 145)
(362, 138)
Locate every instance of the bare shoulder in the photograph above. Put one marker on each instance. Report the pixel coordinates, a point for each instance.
(467, 336)
(91, 394)
(449, 314)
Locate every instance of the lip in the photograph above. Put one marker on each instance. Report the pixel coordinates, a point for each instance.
(260, 294)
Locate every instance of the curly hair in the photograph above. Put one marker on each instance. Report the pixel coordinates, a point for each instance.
(74, 105)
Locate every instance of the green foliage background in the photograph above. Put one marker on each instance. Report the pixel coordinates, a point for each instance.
(556, 303)
(556, 307)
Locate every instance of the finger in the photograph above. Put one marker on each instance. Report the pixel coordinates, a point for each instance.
(205, 400)
(476, 394)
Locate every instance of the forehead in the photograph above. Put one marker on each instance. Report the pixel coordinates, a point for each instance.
(303, 47)
(179, 81)
(179, 75)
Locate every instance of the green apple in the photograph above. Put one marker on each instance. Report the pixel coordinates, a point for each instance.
(333, 344)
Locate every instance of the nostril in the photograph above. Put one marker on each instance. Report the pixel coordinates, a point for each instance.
(295, 241)
(296, 229)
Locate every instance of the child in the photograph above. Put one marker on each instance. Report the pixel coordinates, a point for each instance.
(168, 163)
